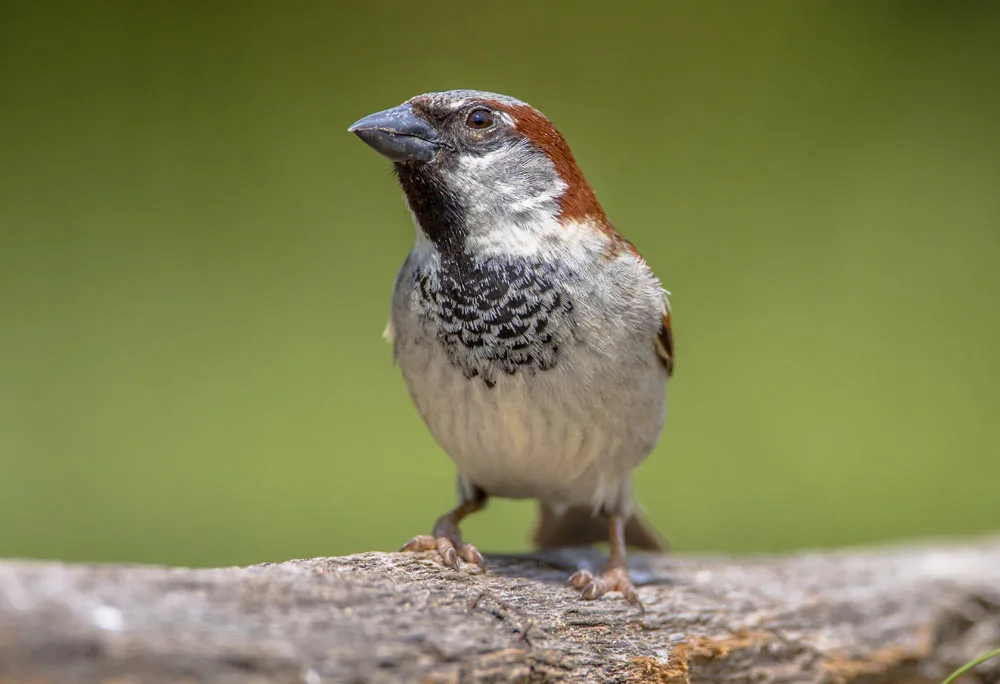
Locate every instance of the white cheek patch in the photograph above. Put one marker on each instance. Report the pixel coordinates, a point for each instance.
(483, 163)
(512, 180)
(530, 204)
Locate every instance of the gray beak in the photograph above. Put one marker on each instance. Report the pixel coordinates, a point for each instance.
(398, 134)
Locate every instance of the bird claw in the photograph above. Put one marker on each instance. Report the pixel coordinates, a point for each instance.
(614, 579)
(452, 553)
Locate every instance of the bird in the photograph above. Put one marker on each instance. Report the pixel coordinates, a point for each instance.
(533, 338)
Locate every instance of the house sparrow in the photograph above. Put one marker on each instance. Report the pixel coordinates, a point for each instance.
(533, 338)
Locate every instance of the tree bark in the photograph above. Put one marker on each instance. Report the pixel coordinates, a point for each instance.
(906, 614)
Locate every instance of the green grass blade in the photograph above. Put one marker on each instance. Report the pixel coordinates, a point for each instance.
(968, 666)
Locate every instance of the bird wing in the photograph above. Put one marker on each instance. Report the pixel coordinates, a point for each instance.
(665, 339)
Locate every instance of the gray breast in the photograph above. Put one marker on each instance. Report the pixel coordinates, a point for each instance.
(497, 315)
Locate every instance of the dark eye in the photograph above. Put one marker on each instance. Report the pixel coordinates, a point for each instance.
(479, 118)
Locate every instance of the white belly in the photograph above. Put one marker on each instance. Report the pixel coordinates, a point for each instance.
(545, 435)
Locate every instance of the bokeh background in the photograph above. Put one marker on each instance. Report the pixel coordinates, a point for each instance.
(196, 262)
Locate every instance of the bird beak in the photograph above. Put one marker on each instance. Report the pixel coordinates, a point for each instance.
(398, 134)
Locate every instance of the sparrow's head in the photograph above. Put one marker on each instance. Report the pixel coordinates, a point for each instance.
(472, 163)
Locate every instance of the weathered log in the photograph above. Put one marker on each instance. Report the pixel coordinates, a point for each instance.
(870, 615)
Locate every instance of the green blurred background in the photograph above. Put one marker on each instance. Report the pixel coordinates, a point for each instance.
(196, 262)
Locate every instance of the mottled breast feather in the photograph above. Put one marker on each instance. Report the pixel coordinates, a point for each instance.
(496, 316)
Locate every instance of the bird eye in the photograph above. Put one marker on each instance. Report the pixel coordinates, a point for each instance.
(479, 118)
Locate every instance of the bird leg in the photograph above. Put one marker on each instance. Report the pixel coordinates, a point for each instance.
(614, 577)
(446, 539)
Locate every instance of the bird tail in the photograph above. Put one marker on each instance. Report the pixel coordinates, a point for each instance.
(578, 526)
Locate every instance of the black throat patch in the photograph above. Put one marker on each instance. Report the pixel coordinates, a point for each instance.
(496, 316)
(437, 209)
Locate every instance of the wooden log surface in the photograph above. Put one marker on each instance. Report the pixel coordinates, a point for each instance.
(896, 614)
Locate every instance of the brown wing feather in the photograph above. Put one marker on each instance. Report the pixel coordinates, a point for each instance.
(665, 337)
(665, 343)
